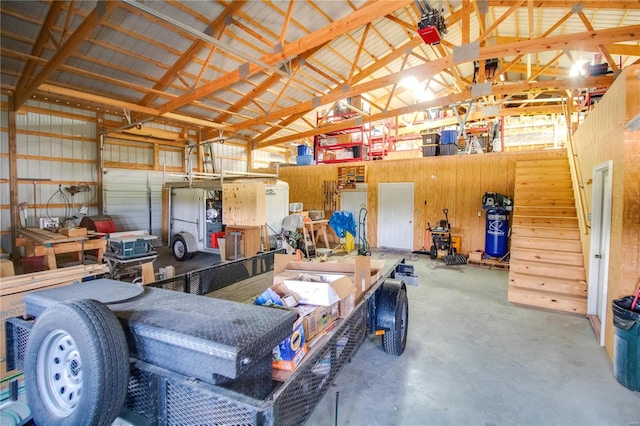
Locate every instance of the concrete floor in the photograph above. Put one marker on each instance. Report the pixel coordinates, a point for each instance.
(472, 358)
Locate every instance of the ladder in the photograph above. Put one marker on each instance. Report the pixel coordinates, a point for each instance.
(208, 159)
(473, 145)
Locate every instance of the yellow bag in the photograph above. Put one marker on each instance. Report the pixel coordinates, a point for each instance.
(349, 241)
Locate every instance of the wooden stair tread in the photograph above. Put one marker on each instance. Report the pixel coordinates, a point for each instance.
(542, 255)
(576, 288)
(545, 300)
(553, 221)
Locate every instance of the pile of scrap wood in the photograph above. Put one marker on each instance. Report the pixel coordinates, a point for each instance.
(12, 290)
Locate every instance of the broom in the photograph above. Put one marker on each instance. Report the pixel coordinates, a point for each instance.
(424, 250)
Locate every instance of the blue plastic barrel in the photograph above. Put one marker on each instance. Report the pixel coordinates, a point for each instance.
(497, 233)
(304, 150)
(448, 136)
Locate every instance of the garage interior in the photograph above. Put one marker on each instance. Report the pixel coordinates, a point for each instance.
(394, 111)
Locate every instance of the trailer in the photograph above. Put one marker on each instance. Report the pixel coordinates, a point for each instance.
(194, 209)
(102, 350)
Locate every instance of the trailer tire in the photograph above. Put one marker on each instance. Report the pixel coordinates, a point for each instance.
(180, 249)
(392, 315)
(76, 365)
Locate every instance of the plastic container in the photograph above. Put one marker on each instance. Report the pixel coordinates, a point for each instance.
(304, 150)
(430, 138)
(429, 150)
(214, 238)
(448, 149)
(304, 160)
(448, 137)
(626, 343)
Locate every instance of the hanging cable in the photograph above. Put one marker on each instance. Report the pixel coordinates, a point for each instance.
(65, 199)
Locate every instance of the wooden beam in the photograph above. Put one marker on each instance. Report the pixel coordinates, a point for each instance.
(368, 13)
(568, 4)
(14, 199)
(99, 13)
(39, 45)
(285, 26)
(602, 48)
(466, 21)
(217, 26)
(498, 21)
(499, 90)
(77, 94)
(576, 40)
(354, 66)
(624, 49)
(546, 67)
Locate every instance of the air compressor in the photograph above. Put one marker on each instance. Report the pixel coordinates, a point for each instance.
(497, 226)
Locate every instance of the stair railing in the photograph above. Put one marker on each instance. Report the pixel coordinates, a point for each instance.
(576, 175)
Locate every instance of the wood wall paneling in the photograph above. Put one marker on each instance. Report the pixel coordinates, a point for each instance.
(456, 182)
(602, 137)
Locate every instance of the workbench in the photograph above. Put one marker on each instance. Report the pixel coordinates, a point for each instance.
(40, 242)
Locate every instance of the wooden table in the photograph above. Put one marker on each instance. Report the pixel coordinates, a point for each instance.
(39, 242)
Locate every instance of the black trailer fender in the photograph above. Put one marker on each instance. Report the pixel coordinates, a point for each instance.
(392, 315)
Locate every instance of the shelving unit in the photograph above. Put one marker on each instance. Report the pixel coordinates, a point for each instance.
(348, 176)
(348, 144)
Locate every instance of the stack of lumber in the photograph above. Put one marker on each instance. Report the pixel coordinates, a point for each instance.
(12, 290)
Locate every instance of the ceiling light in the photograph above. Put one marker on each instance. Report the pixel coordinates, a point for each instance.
(578, 69)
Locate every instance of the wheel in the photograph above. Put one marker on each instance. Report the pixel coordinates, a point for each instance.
(433, 253)
(395, 340)
(76, 365)
(180, 250)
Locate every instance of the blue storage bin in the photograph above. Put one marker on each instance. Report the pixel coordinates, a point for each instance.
(304, 160)
(448, 136)
(303, 150)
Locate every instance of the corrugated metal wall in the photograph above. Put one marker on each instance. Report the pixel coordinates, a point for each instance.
(133, 198)
(57, 149)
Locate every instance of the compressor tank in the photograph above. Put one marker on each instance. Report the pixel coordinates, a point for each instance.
(497, 233)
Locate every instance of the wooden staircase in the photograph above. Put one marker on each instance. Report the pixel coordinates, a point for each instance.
(546, 263)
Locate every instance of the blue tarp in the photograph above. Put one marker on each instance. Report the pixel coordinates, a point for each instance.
(342, 221)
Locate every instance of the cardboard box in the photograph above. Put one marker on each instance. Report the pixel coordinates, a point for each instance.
(362, 270)
(328, 155)
(290, 352)
(345, 138)
(315, 319)
(320, 289)
(277, 295)
(475, 256)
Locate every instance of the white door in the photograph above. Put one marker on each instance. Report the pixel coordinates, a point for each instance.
(599, 245)
(353, 201)
(395, 215)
